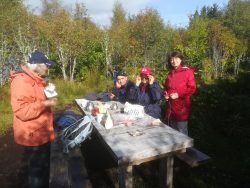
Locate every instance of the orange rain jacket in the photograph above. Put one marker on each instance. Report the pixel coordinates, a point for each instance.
(32, 121)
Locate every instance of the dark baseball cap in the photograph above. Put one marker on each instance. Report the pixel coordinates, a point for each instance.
(38, 57)
(121, 73)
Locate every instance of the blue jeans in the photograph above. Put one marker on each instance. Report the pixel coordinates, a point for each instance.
(38, 158)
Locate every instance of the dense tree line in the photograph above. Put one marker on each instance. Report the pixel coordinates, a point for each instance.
(216, 41)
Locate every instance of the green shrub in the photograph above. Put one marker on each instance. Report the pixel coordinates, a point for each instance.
(5, 110)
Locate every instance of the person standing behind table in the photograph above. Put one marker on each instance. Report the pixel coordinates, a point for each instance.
(180, 85)
(32, 117)
(148, 93)
(114, 74)
(123, 89)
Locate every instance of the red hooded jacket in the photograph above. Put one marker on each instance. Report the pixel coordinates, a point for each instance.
(32, 121)
(181, 81)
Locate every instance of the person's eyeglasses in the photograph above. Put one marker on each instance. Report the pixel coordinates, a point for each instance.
(144, 78)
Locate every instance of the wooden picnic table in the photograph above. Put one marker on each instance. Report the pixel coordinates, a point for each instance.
(142, 142)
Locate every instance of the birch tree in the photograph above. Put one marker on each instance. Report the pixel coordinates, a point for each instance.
(222, 43)
(12, 14)
(118, 46)
(146, 32)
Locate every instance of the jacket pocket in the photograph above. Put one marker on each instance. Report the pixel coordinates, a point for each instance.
(33, 132)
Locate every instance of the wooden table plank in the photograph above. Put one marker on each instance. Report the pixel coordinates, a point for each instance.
(154, 142)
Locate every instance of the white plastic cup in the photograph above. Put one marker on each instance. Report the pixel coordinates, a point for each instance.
(99, 117)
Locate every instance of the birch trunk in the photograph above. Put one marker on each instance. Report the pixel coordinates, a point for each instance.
(73, 70)
(63, 61)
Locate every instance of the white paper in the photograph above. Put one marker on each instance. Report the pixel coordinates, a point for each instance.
(50, 90)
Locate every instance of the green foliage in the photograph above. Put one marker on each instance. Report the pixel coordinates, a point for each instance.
(211, 12)
(50, 8)
(207, 70)
(92, 56)
(5, 110)
(76, 43)
(146, 36)
(13, 16)
(68, 90)
(132, 72)
(223, 46)
(119, 15)
(210, 36)
(196, 44)
(116, 38)
(237, 17)
(80, 13)
(219, 126)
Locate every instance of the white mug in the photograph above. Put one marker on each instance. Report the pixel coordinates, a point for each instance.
(99, 117)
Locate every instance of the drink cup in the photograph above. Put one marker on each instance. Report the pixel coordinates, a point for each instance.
(99, 117)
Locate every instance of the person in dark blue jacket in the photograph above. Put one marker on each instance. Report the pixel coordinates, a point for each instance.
(123, 89)
(114, 74)
(148, 93)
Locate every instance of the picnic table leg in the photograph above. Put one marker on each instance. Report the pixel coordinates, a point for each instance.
(166, 172)
(126, 176)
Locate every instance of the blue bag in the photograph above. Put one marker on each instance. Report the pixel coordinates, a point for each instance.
(65, 119)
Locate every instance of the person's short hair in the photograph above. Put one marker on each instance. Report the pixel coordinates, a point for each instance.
(32, 67)
(174, 54)
(38, 57)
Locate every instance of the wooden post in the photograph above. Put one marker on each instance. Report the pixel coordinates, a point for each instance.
(166, 172)
(126, 176)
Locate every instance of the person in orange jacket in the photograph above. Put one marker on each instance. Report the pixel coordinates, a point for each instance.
(32, 116)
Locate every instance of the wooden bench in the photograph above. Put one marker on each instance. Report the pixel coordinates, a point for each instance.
(67, 170)
(193, 157)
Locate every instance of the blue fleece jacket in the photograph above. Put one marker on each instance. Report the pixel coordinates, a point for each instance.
(149, 97)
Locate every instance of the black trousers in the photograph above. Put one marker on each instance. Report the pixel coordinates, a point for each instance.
(38, 159)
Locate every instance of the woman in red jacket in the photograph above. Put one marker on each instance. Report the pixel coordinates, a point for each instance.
(179, 86)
